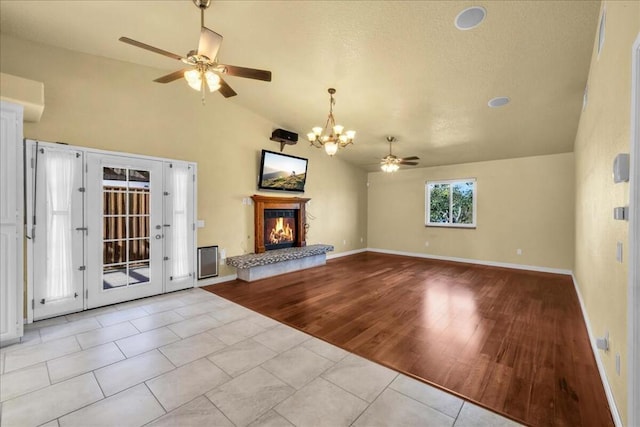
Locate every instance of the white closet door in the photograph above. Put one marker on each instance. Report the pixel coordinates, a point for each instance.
(125, 228)
(11, 286)
(58, 232)
(179, 226)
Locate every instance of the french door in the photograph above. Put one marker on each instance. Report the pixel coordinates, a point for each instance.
(126, 231)
(57, 231)
(105, 227)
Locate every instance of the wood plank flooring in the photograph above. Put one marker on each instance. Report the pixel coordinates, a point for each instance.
(512, 341)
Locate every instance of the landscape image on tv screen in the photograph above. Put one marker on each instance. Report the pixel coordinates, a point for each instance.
(282, 172)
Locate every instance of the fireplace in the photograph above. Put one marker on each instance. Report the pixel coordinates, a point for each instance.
(279, 228)
(279, 222)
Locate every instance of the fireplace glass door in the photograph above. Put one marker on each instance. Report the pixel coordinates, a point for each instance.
(279, 228)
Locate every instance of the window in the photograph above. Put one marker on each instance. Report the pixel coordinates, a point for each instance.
(451, 203)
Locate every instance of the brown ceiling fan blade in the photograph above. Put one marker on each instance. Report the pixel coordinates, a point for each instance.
(148, 47)
(249, 73)
(171, 77)
(409, 163)
(209, 43)
(411, 158)
(226, 90)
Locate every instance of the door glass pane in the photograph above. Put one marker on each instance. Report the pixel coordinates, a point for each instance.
(114, 276)
(125, 227)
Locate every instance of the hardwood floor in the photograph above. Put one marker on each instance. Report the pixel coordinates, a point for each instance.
(512, 341)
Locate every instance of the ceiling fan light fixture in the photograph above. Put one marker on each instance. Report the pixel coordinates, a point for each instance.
(332, 137)
(213, 80)
(193, 78)
(389, 167)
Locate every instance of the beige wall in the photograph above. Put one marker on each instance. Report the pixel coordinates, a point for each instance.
(604, 131)
(524, 203)
(100, 103)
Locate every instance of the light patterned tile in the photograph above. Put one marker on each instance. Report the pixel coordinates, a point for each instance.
(192, 348)
(206, 307)
(51, 402)
(146, 341)
(231, 313)
(45, 323)
(321, 403)
(39, 353)
(297, 366)
(325, 349)
(23, 381)
(271, 419)
(394, 409)
(133, 407)
(361, 377)
(474, 416)
(281, 338)
(261, 320)
(30, 337)
(74, 364)
(249, 396)
(119, 316)
(440, 400)
(194, 325)
(241, 357)
(105, 335)
(90, 313)
(67, 329)
(122, 375)
(197, 413)
(184, 384)
(158, 320)
(234, 332)
(164, 305)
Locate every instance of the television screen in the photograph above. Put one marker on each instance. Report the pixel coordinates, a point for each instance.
(282, 172)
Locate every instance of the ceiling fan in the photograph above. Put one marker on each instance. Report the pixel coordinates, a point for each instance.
(391, 163)
(203, 67)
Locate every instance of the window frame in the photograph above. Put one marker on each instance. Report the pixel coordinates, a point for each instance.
(450, 182)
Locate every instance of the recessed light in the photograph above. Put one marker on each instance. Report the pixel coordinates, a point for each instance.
(470, 18)
(498, 101)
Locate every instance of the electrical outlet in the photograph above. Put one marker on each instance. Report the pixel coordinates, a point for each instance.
(362, 240)
(426, 244)
(201, 223)
(223, 253)
(519, 251)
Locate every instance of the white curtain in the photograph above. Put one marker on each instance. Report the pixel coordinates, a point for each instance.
(180, 225)
(59, 173)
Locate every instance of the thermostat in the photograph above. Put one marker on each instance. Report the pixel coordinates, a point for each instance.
(621, 168)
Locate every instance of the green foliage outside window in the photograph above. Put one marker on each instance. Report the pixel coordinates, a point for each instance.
(451, 202)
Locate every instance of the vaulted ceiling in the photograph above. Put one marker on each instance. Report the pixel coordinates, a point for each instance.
(400, 68)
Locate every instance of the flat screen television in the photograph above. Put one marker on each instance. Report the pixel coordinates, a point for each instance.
(282, 172)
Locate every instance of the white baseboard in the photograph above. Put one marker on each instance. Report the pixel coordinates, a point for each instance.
(216, 280)
(603, 374)
(474, 261)
(341, 254)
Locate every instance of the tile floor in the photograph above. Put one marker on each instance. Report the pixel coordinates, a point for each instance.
(191, 358)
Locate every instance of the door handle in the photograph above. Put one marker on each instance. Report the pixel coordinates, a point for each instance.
(159, 236)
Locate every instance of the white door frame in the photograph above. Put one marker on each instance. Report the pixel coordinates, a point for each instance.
(633, 316)
(97, 296)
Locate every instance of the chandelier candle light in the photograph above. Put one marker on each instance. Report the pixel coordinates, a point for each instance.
(331, 137)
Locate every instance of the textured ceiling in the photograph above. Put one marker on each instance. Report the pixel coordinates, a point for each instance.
(400, 68)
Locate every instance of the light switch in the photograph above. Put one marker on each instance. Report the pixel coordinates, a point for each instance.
(201, 223)
(619, 251)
